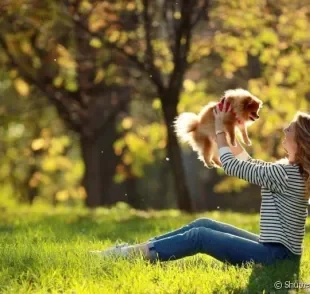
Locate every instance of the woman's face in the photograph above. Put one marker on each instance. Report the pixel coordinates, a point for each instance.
(289, 143)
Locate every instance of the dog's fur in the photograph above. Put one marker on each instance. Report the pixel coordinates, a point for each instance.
(199, 130)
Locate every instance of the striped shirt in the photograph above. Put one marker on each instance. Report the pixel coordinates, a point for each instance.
(284, 208)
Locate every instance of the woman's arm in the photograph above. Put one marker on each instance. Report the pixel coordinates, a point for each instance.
(237, 151)
(272, 176)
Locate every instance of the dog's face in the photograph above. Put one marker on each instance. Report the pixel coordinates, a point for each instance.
(245, 105)
(251, 108)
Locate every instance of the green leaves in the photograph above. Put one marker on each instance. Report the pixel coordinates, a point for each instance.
(140, 146)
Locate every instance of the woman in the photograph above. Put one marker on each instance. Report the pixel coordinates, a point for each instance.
(284, 208)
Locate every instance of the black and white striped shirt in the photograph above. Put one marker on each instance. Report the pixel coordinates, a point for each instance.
(284, 209)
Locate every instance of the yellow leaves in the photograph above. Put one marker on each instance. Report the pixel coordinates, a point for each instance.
(62, 195)
(270, 124)
(71, 85)
(269, 55)
(302, 24)
(95, 42)
(127, 123)
(96, 23)
(153, 133)
(283, 19)
(99, 76)
(65, 59)
(13, 73)
(21, 87)
(194, 97)
(163, 58)
(58, 145)
(129, 50)
(35, 180)
(58, 81)
(134, 143)
(26, 48)
(16, 130)
(230, 184)
(55, 147)
(85, 6)
(233, 50)
(81, 193)
(189, 85)
(38, 144)
(156, 105)
(55, 163)
(118, 146)
(238, 58)
(114, 36)
(137, 149)
(164, 65)
(131, 6)
(127, 158)
(268, 36)
(177, 15)
(278, 77)
(200, 48)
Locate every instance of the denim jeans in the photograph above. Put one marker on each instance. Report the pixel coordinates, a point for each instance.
(222, 241)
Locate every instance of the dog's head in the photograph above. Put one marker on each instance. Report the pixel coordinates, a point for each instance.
(244, 104)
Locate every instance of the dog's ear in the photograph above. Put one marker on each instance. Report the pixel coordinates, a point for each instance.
(248, 102)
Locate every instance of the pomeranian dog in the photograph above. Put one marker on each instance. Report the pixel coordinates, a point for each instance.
(199, 130)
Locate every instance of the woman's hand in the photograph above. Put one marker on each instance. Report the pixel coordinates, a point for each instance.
(219, 115)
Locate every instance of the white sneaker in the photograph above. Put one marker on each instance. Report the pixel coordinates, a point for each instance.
(117, 250)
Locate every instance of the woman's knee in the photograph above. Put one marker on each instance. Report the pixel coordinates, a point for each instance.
(202, 222)
(199, 236)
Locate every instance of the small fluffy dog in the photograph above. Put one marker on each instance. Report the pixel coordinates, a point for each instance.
(199, 130)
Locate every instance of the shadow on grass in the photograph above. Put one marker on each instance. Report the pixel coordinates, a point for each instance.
(279, 277)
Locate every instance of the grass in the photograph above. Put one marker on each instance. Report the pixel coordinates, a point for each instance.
(45, 251)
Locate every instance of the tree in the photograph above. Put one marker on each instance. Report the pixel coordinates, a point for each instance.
(75, 76)
(161, 48)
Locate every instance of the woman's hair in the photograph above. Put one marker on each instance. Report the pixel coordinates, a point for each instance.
(302, 139)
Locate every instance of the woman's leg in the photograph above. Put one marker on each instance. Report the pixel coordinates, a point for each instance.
(220, 245)
(210, 224)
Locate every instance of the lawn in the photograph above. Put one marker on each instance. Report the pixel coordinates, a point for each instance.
(44, 250)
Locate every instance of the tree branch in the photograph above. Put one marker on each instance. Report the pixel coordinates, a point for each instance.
(149, 56)
(182, 44)
(151, 71)
(204, 8)
(61, 107)
(112, 114)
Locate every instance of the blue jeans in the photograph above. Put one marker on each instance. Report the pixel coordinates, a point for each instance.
(222, 241)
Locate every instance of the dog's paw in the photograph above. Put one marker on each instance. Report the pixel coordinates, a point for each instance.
(249, 143)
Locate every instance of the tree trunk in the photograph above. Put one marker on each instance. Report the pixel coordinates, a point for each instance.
(100, 161)
(134, 198)
(174, 156)
(91, 180)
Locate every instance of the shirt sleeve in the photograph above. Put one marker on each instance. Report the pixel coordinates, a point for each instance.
(246, 156)
(270, 175)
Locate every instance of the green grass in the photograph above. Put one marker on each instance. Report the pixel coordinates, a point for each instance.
(45, 251)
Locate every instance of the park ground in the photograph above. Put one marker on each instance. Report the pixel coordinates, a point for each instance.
(45, 250)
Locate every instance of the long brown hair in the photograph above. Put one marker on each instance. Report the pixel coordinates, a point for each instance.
(302, 139)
